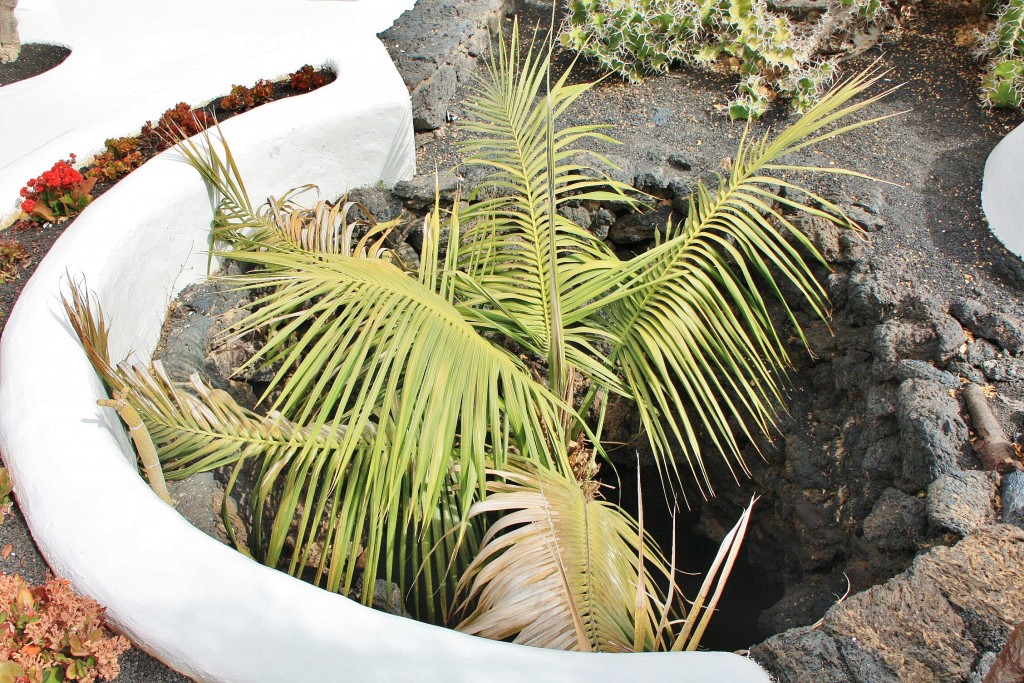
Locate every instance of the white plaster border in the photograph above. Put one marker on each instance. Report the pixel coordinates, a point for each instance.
(1002, 191)
(132, 59)
(199, 606)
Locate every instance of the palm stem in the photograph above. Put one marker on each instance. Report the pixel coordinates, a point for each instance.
(557, 373)
(143, 443)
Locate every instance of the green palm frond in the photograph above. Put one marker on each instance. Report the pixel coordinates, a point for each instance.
(348, 332)
(315, 500)
(198, 428)
(513, 110)
(696, 344)
(356, 340)
(519, 254)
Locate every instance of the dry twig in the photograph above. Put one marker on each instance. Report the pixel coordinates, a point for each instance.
(994, 449)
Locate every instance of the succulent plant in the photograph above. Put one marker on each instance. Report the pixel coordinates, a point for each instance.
(1003, 82)
(775, 58)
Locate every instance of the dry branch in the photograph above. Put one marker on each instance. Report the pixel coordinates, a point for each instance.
(993, 448)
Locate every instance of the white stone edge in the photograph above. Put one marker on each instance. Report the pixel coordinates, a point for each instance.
(199, 606)
(75, 120)
(1002, 191)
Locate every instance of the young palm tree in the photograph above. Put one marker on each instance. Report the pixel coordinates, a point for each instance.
(411, 409)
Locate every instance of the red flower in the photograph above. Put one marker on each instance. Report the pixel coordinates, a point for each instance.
(48, 193)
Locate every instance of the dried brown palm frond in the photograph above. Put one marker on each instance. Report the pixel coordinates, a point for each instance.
(562, 569)
(86, 319)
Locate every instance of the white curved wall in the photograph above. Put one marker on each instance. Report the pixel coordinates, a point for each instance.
(1002, 192)
(192, 602)
(132, 59)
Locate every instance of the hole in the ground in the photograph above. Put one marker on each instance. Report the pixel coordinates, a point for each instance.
(750, 589)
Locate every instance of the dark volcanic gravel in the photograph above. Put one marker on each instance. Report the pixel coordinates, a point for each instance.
(35, 58)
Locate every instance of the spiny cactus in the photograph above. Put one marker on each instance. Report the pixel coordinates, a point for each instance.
(1003, 83)
(758, 39)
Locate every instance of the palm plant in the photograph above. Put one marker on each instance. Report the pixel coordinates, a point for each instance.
(410, 409)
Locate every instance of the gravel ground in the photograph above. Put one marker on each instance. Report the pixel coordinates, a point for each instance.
(35, 58)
